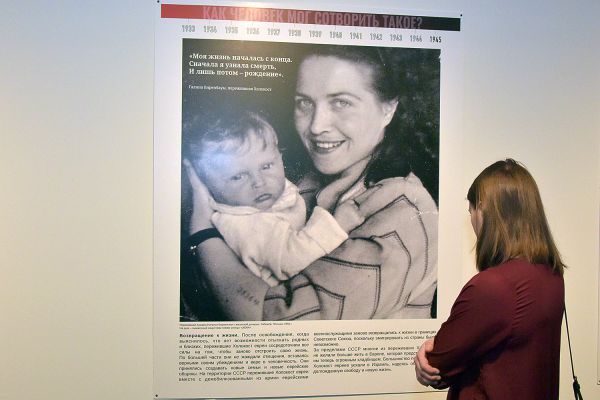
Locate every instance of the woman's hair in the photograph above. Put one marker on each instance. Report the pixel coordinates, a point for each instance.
(514, 223)
(225, 132)
(411, 77)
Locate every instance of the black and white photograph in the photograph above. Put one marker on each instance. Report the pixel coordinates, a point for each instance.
(303, 172)
(309, 181)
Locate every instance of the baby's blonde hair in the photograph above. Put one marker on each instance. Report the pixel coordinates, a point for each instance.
(231, 133)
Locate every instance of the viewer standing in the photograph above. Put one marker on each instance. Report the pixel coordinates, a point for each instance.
(502, 339)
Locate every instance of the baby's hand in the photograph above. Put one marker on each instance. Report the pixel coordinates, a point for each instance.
(348, 215)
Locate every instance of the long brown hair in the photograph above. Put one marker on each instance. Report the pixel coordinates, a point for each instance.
(514, 223)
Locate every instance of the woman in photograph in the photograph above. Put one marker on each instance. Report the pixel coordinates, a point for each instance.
(502, 339)
(351, 117)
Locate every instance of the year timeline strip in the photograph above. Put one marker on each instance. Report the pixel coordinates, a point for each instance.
(236, 31)
(228, 22)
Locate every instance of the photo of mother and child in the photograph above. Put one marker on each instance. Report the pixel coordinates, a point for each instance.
(354, 234)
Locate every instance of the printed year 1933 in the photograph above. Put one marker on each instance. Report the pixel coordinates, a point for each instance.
(188, 28)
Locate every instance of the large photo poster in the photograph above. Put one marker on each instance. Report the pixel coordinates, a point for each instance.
(299, 173)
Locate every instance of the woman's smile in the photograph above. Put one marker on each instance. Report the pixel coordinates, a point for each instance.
(325, 147)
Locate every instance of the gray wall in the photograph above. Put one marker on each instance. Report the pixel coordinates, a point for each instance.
(76, 109)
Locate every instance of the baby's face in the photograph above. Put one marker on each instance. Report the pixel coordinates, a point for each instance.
(253, 178)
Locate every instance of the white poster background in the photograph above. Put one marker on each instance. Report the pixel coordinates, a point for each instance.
(167, 198)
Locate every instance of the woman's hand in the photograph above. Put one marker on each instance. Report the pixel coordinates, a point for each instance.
(426, 374)
(379, 196)
(201, 210)
(348, 216)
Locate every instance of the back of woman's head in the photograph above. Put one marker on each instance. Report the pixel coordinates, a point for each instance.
(514, 223)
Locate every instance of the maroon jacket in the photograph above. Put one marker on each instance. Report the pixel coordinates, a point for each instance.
(502, 339)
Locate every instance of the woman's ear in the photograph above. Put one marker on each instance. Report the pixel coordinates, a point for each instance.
(389, 108)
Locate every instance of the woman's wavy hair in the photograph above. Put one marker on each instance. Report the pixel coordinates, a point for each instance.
(411, 77)
(514, 224)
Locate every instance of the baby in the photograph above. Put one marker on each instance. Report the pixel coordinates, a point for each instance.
(259, 213)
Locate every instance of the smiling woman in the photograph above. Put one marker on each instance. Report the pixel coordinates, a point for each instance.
(354, 114)
(338, 116)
